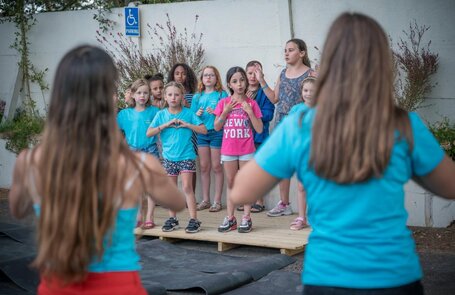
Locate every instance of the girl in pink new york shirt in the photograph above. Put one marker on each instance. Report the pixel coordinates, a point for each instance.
(237, 115)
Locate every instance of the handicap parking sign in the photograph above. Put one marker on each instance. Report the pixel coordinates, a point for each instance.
(132, 22)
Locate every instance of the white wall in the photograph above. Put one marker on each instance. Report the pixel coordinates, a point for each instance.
(236, 31)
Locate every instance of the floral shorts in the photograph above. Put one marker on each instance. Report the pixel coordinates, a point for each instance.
(174, 168)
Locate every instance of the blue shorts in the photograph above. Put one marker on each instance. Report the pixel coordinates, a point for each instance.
(247, 157)
(152, 150)
(175, 168)
(212, 139)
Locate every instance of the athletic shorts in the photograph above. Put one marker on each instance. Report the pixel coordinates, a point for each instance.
(174, 168)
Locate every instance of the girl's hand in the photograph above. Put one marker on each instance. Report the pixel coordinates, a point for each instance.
(258, 73)
(182, 124)
(199, 112)
(228, 107)
(173, 122)
(209, 110)
(246, 107)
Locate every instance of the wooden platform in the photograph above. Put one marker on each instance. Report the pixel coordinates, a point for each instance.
(269, 232)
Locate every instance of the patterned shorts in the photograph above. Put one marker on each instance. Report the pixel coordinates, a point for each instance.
(174, 168)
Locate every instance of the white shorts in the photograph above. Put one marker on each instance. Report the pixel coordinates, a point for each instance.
(247, 157)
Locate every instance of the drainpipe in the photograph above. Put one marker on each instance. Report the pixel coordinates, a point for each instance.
(428, 209)
(291, 19)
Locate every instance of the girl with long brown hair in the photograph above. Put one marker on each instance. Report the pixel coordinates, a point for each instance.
(353, 152)
(85, 184)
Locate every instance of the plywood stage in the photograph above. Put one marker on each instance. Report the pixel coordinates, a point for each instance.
(269, 232)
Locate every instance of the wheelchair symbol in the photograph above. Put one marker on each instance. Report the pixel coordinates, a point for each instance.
(130, 19)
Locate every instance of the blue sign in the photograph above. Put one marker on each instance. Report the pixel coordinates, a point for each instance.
(132, 22)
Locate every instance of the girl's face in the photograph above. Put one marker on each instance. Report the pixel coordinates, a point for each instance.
(142, 95)
(156, 89)
(180, 74)
(307, 93)
(209, 77)
(173, 96)
(238, 83)
(292, 53)
(252, 80)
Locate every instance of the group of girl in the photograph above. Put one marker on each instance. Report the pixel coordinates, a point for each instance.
(225, 130)
(353, 151)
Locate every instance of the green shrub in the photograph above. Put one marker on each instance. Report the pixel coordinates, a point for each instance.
(444, 132)
(22, 131)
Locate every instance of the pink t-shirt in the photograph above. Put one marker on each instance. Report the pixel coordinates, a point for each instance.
(237, 131)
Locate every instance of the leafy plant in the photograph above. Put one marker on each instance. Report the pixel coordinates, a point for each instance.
(22, 131)
(415, 64)
(444, 132)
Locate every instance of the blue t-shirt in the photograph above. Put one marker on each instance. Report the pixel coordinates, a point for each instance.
(135, 124)
(359, 237)
(176, 141)
(205, 100)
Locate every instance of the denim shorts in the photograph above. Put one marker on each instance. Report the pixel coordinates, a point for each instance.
(175, 168)
(247, 157)
(212, 139)
(152, 150)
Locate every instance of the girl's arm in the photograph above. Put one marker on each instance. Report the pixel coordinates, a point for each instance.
(160, 186)
(440, 181)
(269, 92)
(20, 201)
(276, 92)
(152, 131)
(251, 183)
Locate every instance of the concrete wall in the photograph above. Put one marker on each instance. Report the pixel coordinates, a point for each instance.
(236, 31)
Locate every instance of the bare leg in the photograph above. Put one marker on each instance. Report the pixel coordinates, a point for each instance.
(150, 209)
(284, 190)
(246, 207)
(187, 186)
(301, 199)
(204, 160)
(230, 170)
(173, 213)
(218, 171)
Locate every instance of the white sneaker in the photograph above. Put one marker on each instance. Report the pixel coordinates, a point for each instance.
(280, 209)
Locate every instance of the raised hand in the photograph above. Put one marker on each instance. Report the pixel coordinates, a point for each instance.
(259, 73)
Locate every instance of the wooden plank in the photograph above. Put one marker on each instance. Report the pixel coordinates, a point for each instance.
(226, 246)
(270, 232)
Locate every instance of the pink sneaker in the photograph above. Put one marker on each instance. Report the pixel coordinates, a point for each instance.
(298, 224)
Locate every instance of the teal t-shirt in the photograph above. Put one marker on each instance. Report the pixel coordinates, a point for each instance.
(176, 141)
(204, 100)
(135, 124)
(359, 237)
(120, 248)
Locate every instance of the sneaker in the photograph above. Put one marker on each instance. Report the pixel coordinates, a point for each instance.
(194, 226)
(246, 225)
(170, 224)
(299, 223)
(228, 224)
(280, 210)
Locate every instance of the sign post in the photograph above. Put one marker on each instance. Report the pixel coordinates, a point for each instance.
(132, 23)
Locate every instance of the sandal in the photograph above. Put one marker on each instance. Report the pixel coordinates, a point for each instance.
(256, 208)
(203, 205)
(240, 208)
(298, 224)
(138, 223)
(148, 225)
(216, 207)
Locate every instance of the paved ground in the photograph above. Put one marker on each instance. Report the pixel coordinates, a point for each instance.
(436, 249)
